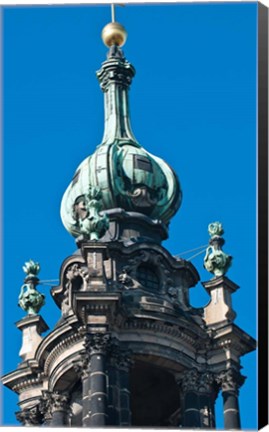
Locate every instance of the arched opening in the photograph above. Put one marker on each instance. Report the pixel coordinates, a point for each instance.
(155, 399)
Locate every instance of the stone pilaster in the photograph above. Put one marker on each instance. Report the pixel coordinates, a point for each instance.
(198, 396)
(230, 381)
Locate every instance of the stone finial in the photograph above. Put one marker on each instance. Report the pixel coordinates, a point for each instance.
(30, 300)
(216, 261)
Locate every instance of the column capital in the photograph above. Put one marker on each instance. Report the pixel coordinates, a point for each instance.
(230, 380)
(121, 357)
(192, 380)
(59, 401)
(52, 402)
(29, 416)
(97, 343)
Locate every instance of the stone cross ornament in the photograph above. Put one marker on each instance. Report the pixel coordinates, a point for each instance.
(216, 261)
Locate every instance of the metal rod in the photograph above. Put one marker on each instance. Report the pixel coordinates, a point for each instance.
(191, 250)
(199, 253)
(113, 12)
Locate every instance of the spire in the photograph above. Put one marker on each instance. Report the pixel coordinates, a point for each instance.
(115, 77)
(126, 178)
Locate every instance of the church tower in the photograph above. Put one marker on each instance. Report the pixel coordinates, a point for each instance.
(129, 349)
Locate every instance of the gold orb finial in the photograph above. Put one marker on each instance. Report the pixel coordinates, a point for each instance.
(114, 34)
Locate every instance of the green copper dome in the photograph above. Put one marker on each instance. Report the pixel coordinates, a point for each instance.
(121, 172)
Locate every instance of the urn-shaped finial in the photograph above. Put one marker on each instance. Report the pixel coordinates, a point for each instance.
(31, 300)
(216, 261)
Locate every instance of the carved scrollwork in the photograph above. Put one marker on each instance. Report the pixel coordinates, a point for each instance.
(141, 197)
(76, 278)
(75, 272)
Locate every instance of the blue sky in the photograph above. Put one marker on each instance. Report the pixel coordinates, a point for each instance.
(193, 103)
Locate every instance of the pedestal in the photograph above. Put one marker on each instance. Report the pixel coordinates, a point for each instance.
(32, 326)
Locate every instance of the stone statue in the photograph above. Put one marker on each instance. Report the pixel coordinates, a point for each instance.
(94, 225)
(216, 261)
(30, 300)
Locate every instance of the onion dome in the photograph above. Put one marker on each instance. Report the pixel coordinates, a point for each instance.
(120, 174)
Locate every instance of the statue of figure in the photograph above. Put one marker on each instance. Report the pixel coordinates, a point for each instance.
(216, 261)
(93, 225)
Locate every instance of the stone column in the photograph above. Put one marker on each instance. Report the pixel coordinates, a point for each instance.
(82, 368)
(95, 382)
(29, 416)
(118, 386)
(113, 389)
(198, 397)
(125, 363)
(208, 391)
(230, 381)
(57, 409)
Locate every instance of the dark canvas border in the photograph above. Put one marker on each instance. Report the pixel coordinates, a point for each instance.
(262, 215)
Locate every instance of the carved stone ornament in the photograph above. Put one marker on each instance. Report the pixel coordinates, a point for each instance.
(76, 271)
(97, 343)
(121, 358)
(82, 367)
(45, 406)
(128, 275)
(230, 380)
(192, 380)
(125, 279)
(29, 417)
(57, 401)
